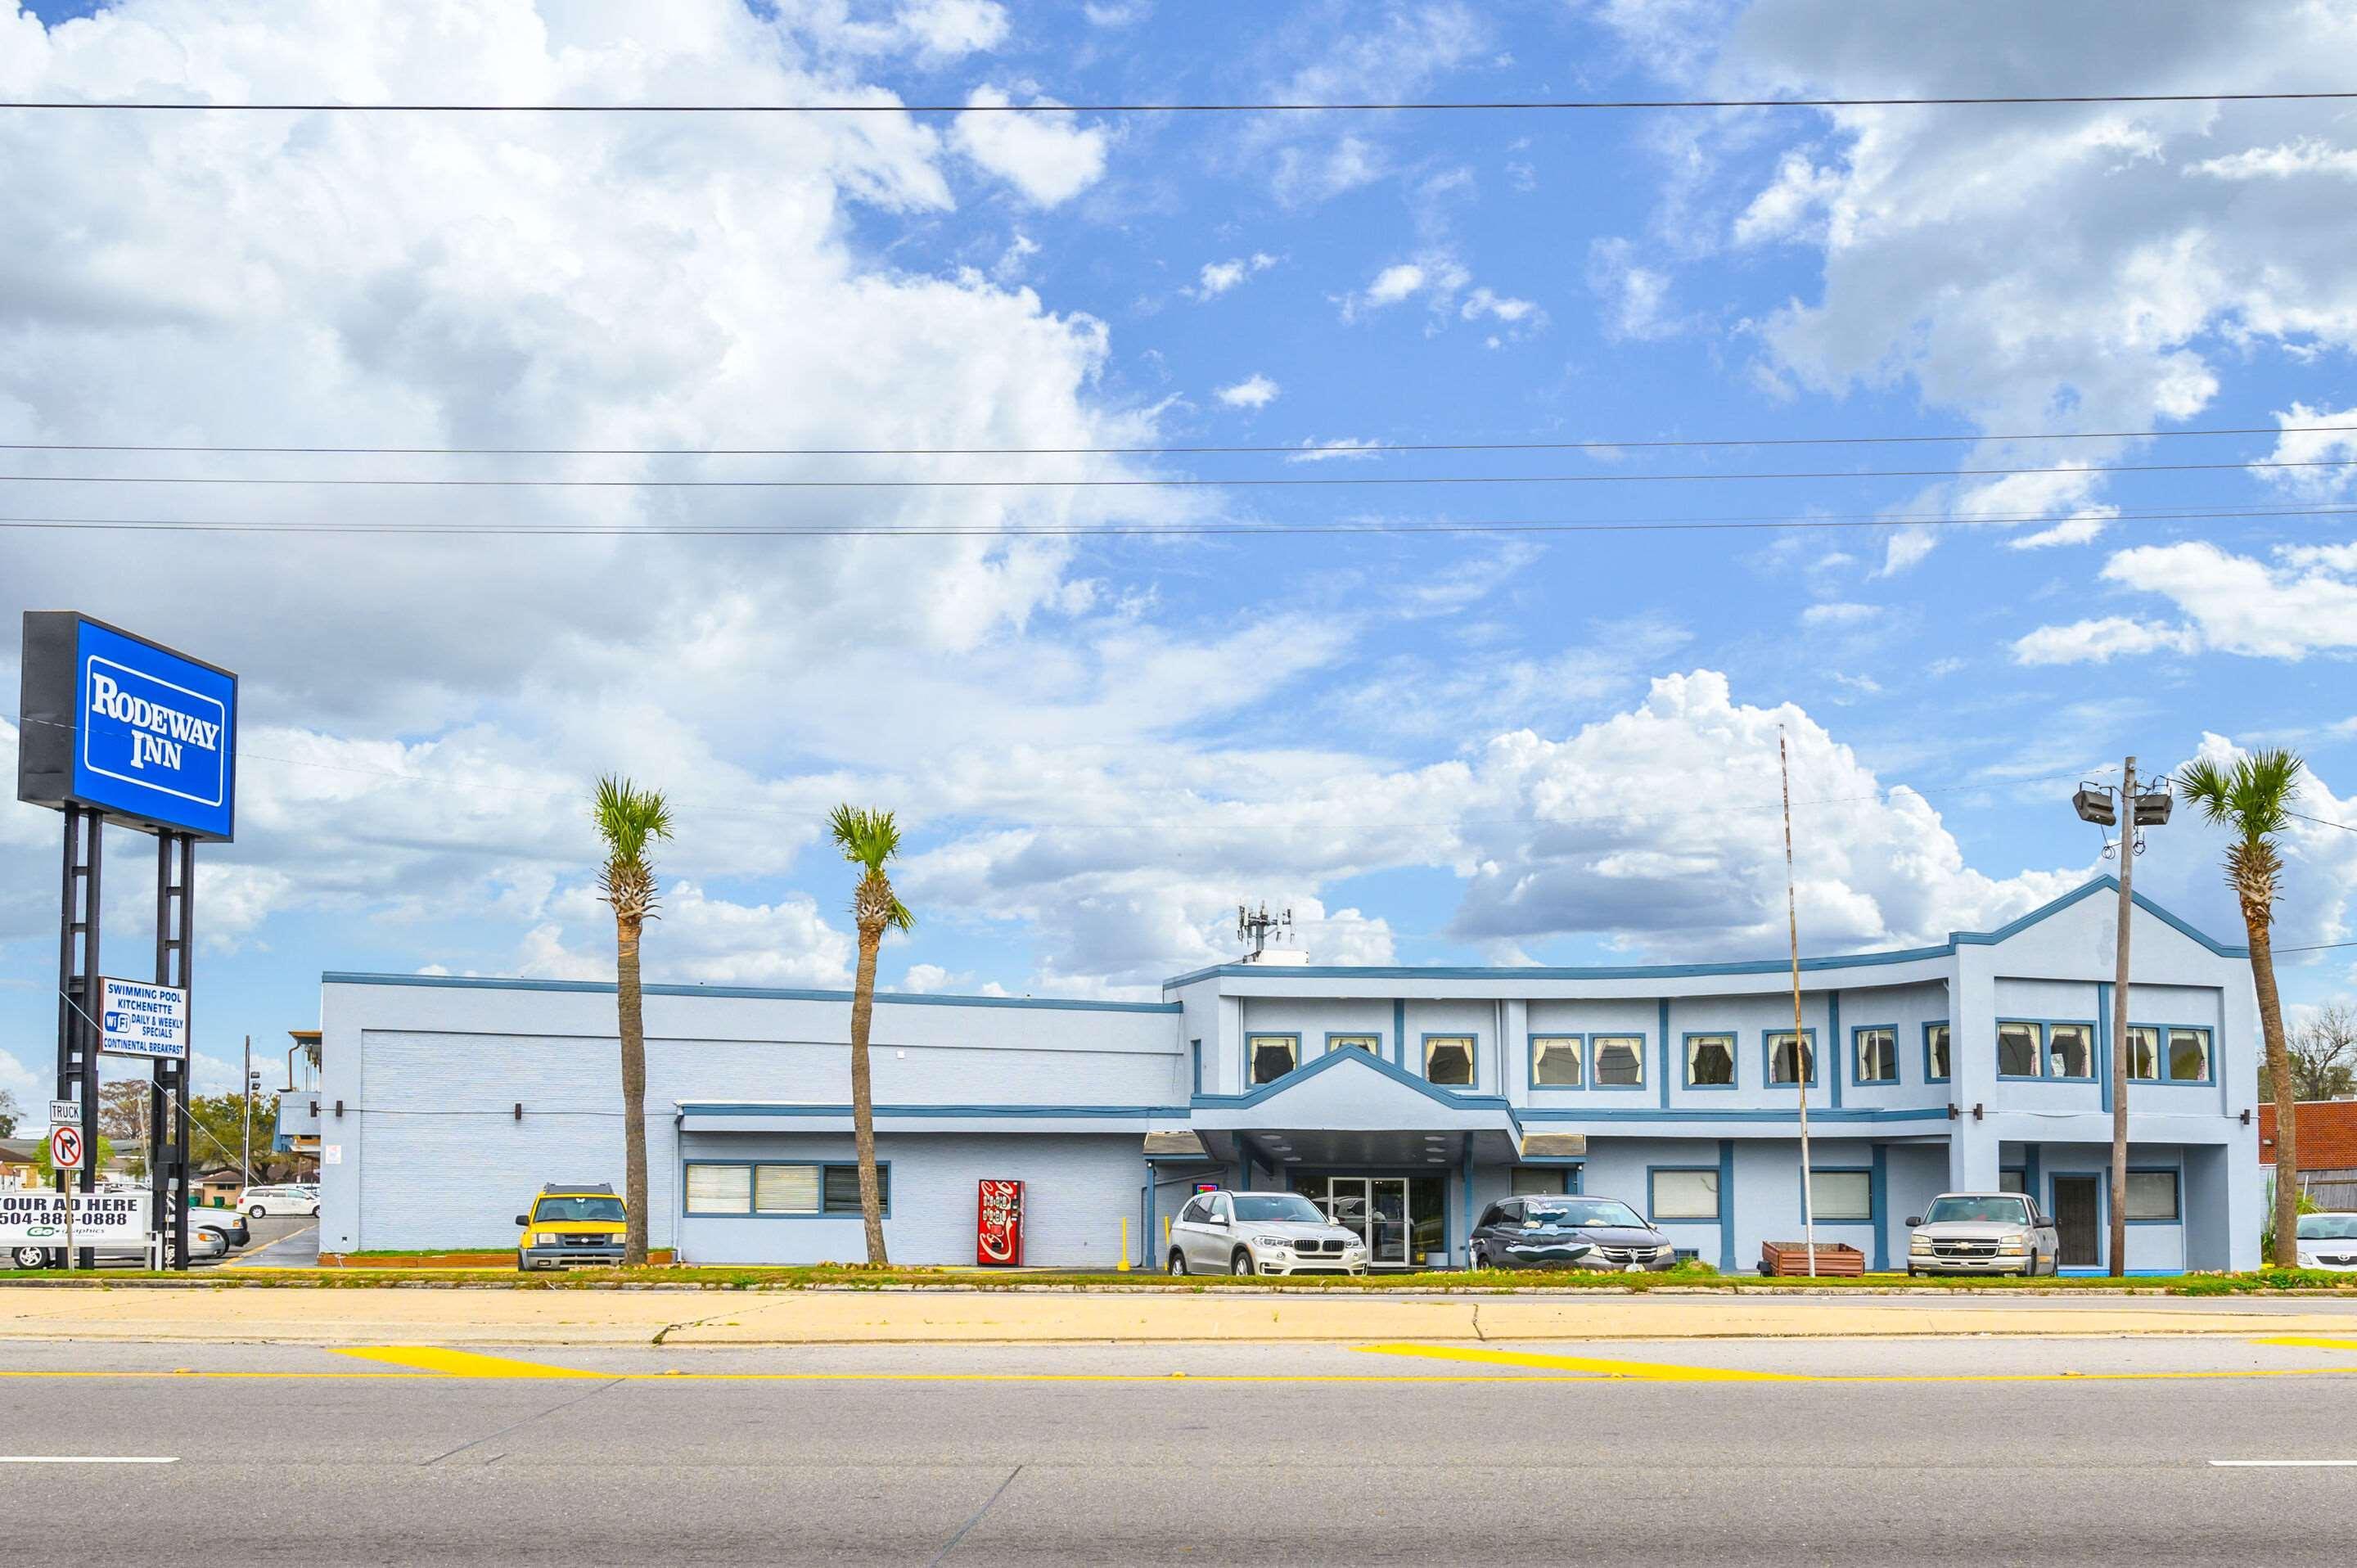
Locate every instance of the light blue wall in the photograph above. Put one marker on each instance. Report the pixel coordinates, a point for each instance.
(1077, 1191)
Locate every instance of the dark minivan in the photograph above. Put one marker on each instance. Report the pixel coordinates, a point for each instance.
(1553, 1230)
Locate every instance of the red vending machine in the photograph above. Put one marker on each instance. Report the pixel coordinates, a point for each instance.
(998, 1224)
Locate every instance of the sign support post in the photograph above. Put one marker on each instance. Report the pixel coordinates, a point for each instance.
(117, 729)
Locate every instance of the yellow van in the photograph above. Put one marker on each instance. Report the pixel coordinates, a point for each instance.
(571, 1224)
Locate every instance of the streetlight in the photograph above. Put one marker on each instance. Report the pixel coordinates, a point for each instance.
(2146, 808)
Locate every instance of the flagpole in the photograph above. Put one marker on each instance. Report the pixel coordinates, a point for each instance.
(1803, 1058)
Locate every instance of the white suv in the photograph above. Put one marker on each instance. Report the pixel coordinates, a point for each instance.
(1261, 1234)
(291, 1199)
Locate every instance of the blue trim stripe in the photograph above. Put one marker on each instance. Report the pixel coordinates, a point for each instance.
(1132, 1113)
(742, 992)
(1454, 1098)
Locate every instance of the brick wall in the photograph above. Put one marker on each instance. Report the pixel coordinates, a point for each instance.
(2327, 1132)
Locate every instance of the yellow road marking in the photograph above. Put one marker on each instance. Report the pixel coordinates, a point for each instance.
(2307, 1342)
(1651, 1371)
(460, 1363)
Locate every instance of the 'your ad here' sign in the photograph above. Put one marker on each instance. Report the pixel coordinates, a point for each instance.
(142, 733)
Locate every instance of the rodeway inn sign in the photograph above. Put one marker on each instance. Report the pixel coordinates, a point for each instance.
(146, 734)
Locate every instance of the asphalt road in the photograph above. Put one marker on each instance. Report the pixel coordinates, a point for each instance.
(1723, 1451)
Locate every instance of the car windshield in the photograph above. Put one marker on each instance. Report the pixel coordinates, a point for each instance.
(599, 1208)
(1582, 1211)
(1277, 1205)
(2328, 1226)
(1984, 1210)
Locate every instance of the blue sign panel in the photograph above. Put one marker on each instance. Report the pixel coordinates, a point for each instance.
(157, 736)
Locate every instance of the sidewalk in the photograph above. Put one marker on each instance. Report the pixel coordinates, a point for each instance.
(372, 1315)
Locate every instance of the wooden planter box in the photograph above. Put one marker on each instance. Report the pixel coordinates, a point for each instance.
(1787, 1258)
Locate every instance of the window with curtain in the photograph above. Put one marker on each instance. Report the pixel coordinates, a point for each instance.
(1684, 1195)
(719, 1189)
(1367, 1043)
(1710, 1061)
(1556, 1062)
(2019, 1048)
(1272, 1056)
(787, 1190)
(1878, 1055)
(1935, 1051)
(1619, 1060)
(1791, 1057)
(1448, 1061)
(2070, 1050)
(1842, 1194)
(2189, 1056)
(2144, 1051)
(2152, 1194)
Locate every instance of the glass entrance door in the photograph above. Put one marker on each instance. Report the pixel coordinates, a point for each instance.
(1376, 1208)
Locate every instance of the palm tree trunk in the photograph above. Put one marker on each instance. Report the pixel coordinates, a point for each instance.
(634, 1093)
(2263, 975)
(863, 1097)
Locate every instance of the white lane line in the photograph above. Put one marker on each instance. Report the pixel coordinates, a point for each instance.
(88, 1459)
(2284, 1463)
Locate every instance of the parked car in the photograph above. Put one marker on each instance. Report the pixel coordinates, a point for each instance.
(284, 1198)
(227, 1223)
(1982, 1233)
(1551, 1230)
(569, 1225)
(2327, 1241)
(1261, 1234)
(203, 1245)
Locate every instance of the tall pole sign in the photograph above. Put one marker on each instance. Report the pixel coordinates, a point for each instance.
(113, 729)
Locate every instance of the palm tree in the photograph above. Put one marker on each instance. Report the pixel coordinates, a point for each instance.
(869, 839)
(2252, 799)
(628, 820)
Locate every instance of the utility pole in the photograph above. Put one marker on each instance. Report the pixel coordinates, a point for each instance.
(2136, 809)
(1803, 1058)
(245, 1158)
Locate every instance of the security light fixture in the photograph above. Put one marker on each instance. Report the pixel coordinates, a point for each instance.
(2093, 804)
(2152, 809)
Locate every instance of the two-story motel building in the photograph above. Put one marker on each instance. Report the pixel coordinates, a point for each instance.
(1409, 1095)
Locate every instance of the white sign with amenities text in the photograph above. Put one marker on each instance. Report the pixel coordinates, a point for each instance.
(137, 1018)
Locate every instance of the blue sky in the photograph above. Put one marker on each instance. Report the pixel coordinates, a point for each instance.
(1471, 747)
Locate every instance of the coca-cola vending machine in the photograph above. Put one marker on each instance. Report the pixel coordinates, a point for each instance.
(998, 1224)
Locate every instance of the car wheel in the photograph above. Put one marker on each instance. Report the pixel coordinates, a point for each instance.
(257, 1212)
(29, 1257)
(1177, 1264)
(1240, 1261)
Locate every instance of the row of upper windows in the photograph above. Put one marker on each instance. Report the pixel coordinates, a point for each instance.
(2027, 1049)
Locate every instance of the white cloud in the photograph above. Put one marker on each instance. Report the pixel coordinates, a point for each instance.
(1116, 13)
(2305, 602)
(698, 941)
(2099, 641)
(2309, 437)
(1255, 391)
(2078, 528)
(1049, 159)
(1635, 297)
(1217, 277)
(1792, 207)
(952, 28)
(1486, 302)
(1327, 451)
(1393, 283)
(1839, 615)
(2301, 156)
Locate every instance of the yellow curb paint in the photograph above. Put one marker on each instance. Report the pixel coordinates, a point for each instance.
(1651, 1371)
(461, 1363)
(2305, 1342)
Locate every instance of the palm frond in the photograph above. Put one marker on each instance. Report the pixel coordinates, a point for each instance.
(867, 837)
(2252, 798)
(629, 818)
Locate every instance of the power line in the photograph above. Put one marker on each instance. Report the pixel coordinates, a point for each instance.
(1256, 481)
(2323, 822)
(1425, 106)
(1303, 449)
(1070, 530)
